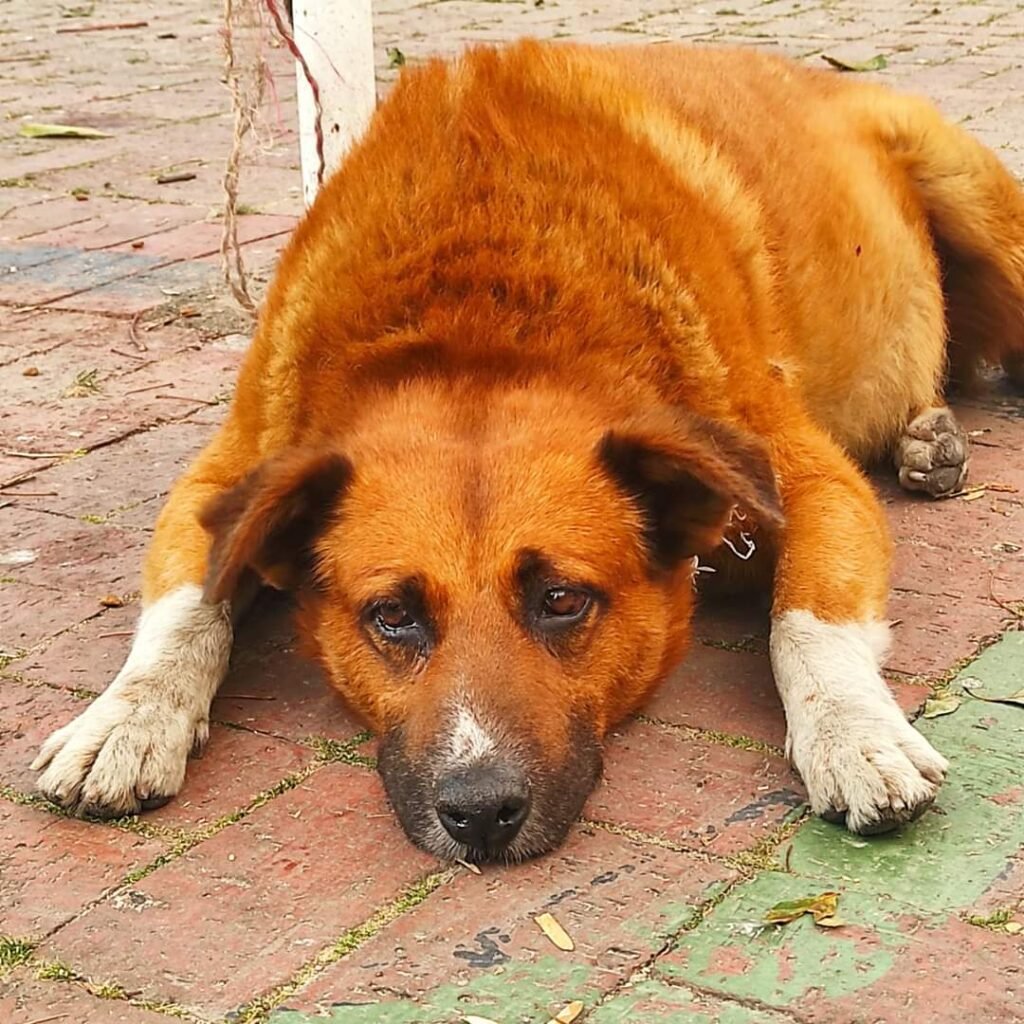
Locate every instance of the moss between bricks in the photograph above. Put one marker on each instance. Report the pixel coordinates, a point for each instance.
(56, 970)
(13, 952)
(721, 739)
(258, 1011)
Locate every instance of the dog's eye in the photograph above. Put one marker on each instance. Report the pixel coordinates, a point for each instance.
(562, 604)
(391, 617)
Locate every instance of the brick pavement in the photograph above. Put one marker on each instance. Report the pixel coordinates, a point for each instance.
(277, 887)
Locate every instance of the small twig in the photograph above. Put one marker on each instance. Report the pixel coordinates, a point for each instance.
(20, 478)
(128, 355)
(247, 696)
(187, 398)
(27, 56)
(133, 334)
(109, 26)
(46, 1020)
(35, 455)
(171, 179)
(151, 387)
(969, 493)
(28, 494)
(119, 632)
(1017, 613)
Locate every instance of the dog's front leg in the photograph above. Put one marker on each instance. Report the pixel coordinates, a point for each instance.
(127, 751)
(859, 757)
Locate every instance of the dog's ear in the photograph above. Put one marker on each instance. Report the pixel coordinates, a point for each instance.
(269, 521)
(687, 473)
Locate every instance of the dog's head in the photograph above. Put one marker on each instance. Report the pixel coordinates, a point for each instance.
(492, 581)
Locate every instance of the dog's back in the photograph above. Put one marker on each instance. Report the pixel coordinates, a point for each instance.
(585, 182)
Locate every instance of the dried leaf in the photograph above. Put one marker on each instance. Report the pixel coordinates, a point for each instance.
(936, 707)
(1013, 927)
(112, 601)
(568, 1013)
(469, 866)
(875, 63)
(555, 932)
(973, 685)
(33, 130)
(829, 922)
(470, 1019)
(396, 58)
(822, 908)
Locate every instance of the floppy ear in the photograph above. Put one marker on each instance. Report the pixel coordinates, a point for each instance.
(687, 474)
(269, 521)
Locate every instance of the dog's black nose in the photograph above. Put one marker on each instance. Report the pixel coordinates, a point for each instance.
(483, 807)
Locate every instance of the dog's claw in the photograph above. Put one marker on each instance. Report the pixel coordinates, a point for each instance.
(889, 819)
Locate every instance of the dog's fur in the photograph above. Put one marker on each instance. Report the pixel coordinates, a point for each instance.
(564, 320)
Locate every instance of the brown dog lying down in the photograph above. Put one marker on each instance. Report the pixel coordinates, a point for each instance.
(565, 320)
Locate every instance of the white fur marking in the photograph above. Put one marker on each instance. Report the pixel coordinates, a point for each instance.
(846, 735)
(132, 742)
(470, 741)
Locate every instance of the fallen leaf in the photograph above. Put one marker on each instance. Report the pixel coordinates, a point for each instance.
(822, 908)
(112, 601)
(32, 130)
(470, 1019)
(555, 932)
(973, 496)
(30, 371)
(936, 707)
(1013, 927)
(972, 686)
(568, 1013)
(469, 866)
(396, 58)
(875, 63)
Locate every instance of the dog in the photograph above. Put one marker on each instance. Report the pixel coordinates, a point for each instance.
(565, 321)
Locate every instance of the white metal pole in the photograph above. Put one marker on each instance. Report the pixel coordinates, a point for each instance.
(336, 39)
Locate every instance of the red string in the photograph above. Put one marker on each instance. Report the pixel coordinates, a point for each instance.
(285, 32)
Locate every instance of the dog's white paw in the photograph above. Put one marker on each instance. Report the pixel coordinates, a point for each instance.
(125, 753)
(128, 750)
(862, 762)
(871, 771)
(932, 454)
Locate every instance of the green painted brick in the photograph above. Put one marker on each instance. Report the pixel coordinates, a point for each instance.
(914, 878)
(654, 1000)
(522, 994)
(735, 954)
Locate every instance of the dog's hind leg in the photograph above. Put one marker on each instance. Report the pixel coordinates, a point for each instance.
(975, 212)
(975, 209)
(128, 750)
(859, 757)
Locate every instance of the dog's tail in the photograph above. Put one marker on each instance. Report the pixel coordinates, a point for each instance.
(976, 212)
